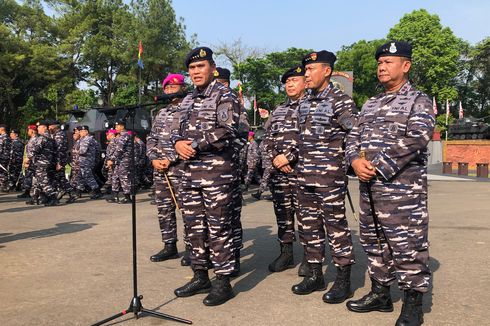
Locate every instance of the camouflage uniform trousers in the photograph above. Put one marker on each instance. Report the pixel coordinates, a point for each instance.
(75, 177)
(264, 184)
(15, 170)
(121, 179)
(208, 220)
(285, 198)
(322, 211)
(166, 206)
(4, 175)
(27, 179)
(107, 172)
(86, 177)
(405, 221)
(60, 181)
(43, 181)
(237, 230)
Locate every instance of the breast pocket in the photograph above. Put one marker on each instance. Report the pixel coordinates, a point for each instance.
(393, 127)
(206, 120)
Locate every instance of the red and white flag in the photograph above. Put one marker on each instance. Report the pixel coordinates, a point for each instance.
(461, 114)
(434, 105)
(255, 103)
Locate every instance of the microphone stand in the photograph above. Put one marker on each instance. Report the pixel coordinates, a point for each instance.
(135, 305)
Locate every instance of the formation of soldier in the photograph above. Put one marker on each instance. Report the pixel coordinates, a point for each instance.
(201, 149)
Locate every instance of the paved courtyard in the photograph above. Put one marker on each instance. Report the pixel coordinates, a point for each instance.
(71, 265)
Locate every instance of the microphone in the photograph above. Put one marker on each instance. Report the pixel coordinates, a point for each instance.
(169, 97)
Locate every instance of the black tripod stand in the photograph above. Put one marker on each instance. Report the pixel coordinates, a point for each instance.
(135, 306)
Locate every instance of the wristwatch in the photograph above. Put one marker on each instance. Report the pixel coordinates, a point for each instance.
(194, 145)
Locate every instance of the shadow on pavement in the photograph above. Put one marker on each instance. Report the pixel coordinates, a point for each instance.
(60, 228)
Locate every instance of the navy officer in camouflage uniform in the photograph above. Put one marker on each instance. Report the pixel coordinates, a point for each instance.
(16, 158)
(387, 149)
(88, 152)
(325, 117)
(60, 181)
(43, 158)
(5, 145)
(281, 149)
(167, 164)
(28, 168)
(120, 161)
(208, 128)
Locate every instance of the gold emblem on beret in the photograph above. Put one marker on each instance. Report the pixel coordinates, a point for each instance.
(298, 69)
(202, 53)
(175, 80)
(216, 73)
(313, 56)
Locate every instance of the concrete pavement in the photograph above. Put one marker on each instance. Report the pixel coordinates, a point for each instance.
(71, 265)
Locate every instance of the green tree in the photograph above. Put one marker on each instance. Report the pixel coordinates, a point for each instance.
(359, 58)
(474, 79)
(261, 77)
(436, 53)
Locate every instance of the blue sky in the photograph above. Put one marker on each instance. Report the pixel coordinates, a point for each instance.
(278, 25)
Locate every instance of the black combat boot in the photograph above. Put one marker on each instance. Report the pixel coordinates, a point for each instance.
(31, 201)
(257, 195)
(25, 194)
(73, 197)
(285, 259)
(126, 199)
(379, 299)
(340, 290)
(236, 271)
(168, 252)
(221, 291)
(186, 259)
(304, 267)
(114, 198)
(60, 194)
(314, 282)
(96, 194)
(411, 314)
(51, 201)
(200, 283)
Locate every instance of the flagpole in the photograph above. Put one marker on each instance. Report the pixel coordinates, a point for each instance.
(447, 116)
(255, 110)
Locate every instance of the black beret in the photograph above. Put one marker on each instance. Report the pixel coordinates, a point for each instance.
(3, 126)
(120, 122)
(222, 73)
(394, 49)
(43, 123)
(15, 131)
(54, 122)
(198, 54)
(83, 128)
(320, 56)
(295, 71)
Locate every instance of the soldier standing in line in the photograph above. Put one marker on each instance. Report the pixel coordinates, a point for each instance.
(88, 154)
(208, 128)
(44, 160)
(16, 158)
(222, 75)
(109, 151)
(387, 149)
(61, 183)
(28, 168)
(75, 165)
(166, 163)
(281, 149)
(253, 159)
(325, 117)
(5, 145)
(121, 161)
